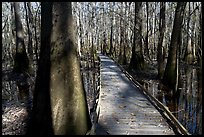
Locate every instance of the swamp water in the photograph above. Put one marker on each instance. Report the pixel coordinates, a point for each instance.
(186, 105)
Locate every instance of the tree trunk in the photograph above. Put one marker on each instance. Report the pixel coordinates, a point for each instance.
(111, 34)
(160, 52)
(68, 101)
(170, 75)
(60, 105)
(124, 31)
(41, 117)
(120, 59)
(137, 59)
(104, 43)
(104, 33)
(21, 61)
(30, 42)
(146, 48)
(111, 42)
(188, 57)
(124, 55)
(36, 38)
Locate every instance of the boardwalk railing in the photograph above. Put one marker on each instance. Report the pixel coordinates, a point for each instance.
(157, 103)
(163, 109)
(94, 114)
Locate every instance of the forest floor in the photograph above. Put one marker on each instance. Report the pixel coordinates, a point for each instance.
(15, 113)
(14, 118)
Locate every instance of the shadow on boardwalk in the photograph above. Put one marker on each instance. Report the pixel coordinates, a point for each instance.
(124, 109)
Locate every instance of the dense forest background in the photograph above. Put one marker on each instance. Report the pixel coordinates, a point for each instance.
(154, 37)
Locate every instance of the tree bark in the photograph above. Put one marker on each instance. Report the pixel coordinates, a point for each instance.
(59, 81)
(111, 34)
(36, 38)
(40, 122)
(21, 63)
(28, 22)
(120, 59)
(68, 100)
(160, 52)
(137, 59)
(124, 30)
(188, 57)
(111, 42)
(146, 48)
(170, 75)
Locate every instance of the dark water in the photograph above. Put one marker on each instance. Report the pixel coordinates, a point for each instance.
(91, 81)
(186, 104)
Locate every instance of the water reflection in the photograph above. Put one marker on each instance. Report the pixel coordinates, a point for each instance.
(90, 82)
(186, 104)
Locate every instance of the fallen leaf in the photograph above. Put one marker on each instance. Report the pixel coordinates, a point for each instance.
(122, 106)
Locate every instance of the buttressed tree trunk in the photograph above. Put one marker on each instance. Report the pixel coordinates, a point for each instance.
(59, 105)
(68, 101)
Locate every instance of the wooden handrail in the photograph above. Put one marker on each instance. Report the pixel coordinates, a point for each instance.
(96, 107)
(159, 104)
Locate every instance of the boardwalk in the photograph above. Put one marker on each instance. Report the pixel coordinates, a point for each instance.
(124, 110)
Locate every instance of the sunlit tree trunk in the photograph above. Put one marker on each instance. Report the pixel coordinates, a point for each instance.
(104, 32)
(120, 58)
(68, 100)
(60, 105)
(36, 38)
(111, 42)
(124, 62)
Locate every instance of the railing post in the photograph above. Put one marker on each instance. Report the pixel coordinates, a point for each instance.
(96, 108)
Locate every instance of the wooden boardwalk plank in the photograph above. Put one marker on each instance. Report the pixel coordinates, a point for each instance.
(124, 110)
